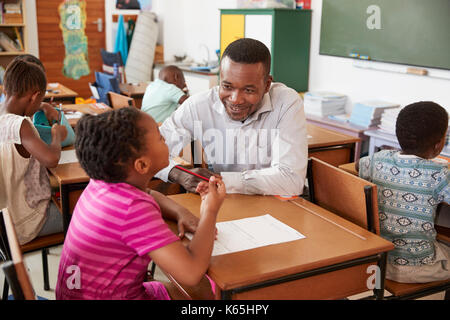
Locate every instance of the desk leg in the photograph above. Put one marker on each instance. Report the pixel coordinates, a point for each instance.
(66, 189)
(372, 145)
(65, 206)
(379, 293)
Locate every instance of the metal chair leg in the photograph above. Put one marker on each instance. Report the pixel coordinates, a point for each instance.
(5, 290)
(45, 269)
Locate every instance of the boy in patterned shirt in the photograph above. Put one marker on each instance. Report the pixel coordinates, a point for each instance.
(411, 183)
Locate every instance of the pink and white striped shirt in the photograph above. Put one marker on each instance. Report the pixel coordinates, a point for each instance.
(105, 255)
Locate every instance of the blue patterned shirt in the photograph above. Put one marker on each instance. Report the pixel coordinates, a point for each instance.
(409, 190)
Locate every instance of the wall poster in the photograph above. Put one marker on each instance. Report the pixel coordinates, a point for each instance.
(72, 25)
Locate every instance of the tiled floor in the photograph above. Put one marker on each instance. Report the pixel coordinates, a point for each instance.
(34, 264)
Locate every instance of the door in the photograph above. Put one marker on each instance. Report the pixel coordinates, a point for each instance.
(51, 46)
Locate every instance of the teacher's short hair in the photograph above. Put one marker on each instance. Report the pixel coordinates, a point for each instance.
(249, 51)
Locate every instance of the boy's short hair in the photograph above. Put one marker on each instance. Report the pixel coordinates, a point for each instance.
(420, 126)
(168, 70)
(249, 51)
(22, 76)
(107, 144)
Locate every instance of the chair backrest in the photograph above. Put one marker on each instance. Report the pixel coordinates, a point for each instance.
(111, 58)
(5, 254)
(118, 101)
(346, 195)
(15, 270)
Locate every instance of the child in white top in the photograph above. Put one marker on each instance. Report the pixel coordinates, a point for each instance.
(24, 157)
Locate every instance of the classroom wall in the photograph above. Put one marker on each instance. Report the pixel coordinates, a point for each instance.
(187, 24)
(339, 74)
(191, 25)
(31, 25)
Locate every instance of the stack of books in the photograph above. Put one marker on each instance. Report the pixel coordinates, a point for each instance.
(12, 13)
(12, 8)
(388, 120)
(324, 104)
(368, 113)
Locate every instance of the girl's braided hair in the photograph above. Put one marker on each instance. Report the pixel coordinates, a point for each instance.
(107, 144)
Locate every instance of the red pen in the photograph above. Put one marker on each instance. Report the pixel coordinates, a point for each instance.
(193, 173)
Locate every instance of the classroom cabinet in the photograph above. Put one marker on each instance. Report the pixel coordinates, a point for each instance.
(286, 32)
(13, 30)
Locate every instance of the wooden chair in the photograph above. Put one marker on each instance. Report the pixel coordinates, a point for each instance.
(405, 291)
(111, 58)
(40, 243)
(120, 101)
(350, 197)
(15, 271)
(179, 292)
(346, 195)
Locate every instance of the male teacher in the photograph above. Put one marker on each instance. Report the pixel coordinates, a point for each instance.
(253, 131)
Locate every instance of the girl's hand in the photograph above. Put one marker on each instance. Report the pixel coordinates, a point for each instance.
(50, 112)
(187, 222)
(59, 131)
(212, 193)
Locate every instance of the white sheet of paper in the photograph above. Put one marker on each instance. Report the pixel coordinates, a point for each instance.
(249, 233)
(74, 115)
(68, 156)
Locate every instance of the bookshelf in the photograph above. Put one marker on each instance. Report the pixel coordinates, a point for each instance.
(13, 30)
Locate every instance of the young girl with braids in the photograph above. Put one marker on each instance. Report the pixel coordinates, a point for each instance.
(24, 156)
(117, 226)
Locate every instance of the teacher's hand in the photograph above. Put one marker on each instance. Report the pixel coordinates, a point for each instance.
(188, 181)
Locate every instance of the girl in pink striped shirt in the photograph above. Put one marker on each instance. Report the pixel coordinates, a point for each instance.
(117, 226)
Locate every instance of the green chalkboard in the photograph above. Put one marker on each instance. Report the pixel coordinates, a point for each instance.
(413, 32)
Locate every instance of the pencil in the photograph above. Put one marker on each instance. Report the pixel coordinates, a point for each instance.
(193, 173)
(60, 113)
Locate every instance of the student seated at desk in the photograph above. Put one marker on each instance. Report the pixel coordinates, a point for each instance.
(411, 183)
(24, 157)
(117, 226)
(165, 94)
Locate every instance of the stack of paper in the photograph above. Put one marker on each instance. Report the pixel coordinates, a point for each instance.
(368, 113)
(388, 120)
(324, 103)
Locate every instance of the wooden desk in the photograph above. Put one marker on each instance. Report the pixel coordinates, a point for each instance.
(135, 91)
(343, 127)
(72, 180)
(330, 263)
(59, 93)
(88, 108)
(330, 146)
